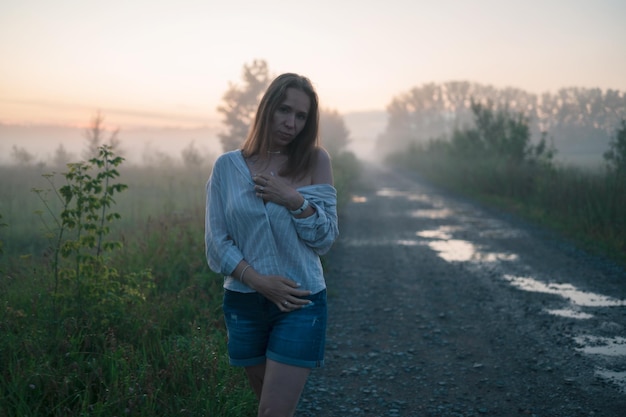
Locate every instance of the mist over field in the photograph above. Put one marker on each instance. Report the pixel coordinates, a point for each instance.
(149, 145)
(139, 146)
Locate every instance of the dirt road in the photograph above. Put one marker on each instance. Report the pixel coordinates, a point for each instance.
(439, 307)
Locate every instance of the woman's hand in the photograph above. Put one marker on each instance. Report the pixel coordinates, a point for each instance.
(280, 290)
(277, 190)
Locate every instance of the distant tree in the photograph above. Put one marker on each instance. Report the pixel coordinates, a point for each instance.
(333, 131)
(21, 156)
(616, 155)
(580, 120)
(94, 136)
(500, 134)
(240, 103)
(191, 156)
(157, 158)
(61, 156)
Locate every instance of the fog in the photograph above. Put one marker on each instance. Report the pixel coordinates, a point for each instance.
(149, 145)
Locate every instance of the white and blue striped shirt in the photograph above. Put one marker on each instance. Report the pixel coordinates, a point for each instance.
(239, 225)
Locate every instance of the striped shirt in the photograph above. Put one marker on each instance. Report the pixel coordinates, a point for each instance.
(239, 225)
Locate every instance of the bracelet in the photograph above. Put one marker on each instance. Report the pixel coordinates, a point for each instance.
(304, 206)
(243, 272)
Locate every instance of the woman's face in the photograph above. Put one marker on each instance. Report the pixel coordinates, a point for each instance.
(289, 118)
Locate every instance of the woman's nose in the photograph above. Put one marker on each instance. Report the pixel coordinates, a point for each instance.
(290, 120)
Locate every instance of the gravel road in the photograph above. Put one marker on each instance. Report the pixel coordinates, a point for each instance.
(441, 307)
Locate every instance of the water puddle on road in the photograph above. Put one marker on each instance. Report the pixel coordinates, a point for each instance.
(442, 213)
(610, 351)
(606, 347)
(597, 345)
(616, 377)
(570, 313)
(457, 250)
(567, 291)
(614, 347)
(392, 193)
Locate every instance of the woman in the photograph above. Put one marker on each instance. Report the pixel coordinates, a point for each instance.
(271, 211)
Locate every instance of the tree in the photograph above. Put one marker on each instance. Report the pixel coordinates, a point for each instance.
(579, 119)
(191, 156)
(61, 156)
(240, 103)
(333, 132)
(94, 136)
(22, 156)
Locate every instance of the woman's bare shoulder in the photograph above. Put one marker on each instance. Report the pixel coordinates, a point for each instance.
(323, 172)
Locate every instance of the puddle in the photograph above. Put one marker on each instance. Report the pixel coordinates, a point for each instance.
(456, 250)
(407, 242)
(359, 199)
(411, 196)
(453, 250)
(597, 345)
(567, 291)
(432, 213)
(442, 233)
(618, 378)
(422, 198)
(391, 192)
(570, 313)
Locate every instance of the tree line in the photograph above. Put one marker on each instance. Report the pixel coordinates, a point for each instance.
(576, 120)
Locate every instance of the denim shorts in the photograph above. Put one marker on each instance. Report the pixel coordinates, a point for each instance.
(258, 330)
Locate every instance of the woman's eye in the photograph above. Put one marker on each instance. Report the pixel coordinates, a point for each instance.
(301, 116)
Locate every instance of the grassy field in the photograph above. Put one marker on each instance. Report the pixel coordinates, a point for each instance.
(586, 206)
(143, 336)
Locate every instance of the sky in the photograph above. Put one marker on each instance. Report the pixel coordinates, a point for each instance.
(168, 63)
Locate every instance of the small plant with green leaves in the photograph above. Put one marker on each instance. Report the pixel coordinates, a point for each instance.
(83, 281)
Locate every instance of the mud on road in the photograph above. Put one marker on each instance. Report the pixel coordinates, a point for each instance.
(440, 307)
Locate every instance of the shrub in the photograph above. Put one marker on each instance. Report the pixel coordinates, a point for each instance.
(616, 155)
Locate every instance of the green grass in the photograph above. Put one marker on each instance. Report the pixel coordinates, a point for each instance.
(161, 355)
(585, 206)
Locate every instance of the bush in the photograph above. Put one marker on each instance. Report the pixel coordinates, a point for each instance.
(616, 155)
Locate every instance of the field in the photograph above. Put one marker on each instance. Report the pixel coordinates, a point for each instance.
(130, 331)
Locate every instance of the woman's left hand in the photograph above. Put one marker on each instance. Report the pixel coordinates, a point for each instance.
(276, 190)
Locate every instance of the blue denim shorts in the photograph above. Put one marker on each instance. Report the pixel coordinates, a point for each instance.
(258, 330)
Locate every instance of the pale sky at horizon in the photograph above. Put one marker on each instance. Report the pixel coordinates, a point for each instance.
(166, 63)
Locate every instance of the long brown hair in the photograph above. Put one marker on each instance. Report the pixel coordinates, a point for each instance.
(301, 150)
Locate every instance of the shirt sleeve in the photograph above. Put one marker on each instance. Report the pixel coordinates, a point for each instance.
(222, 254)
(319, 230)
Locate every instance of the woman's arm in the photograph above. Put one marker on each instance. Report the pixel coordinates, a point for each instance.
(222, 254)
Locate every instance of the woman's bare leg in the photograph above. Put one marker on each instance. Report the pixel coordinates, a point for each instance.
(282, 387)
(256, 374)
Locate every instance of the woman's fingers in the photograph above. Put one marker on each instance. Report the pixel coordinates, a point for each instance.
(287, 296)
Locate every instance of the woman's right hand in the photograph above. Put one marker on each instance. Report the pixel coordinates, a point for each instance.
(281, 291)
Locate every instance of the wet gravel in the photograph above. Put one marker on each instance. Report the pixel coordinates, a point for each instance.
(439, 307)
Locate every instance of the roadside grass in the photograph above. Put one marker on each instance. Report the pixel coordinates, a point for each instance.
(160, 353)
(586, 206)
